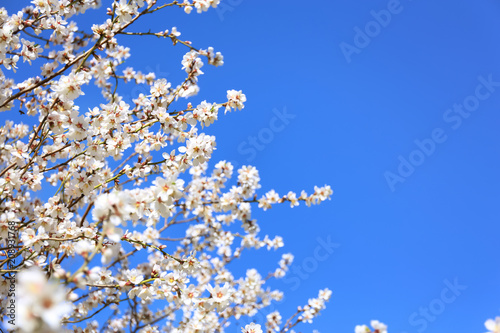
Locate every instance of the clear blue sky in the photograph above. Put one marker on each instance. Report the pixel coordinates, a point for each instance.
(377, 115)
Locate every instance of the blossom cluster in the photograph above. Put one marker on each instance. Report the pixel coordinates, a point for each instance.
(117, 209)
(304, 314)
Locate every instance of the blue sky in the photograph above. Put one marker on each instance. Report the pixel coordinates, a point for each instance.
(401, 246)
(415, 207)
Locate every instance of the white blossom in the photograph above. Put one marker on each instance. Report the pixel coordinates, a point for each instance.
(41, 304)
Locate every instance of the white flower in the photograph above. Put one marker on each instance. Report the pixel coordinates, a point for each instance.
(493, 326)
(235, 100)
(69, 87)
(190, 295)
(124, 11)
(30, 50)
(114, 206)
(378, 326)
(361, 329)
(252, 328)
(217, 60)
(199, 148)
(135, 277)
(220, 295)
(160, 88)
(175, 32)
(40, 304)
(325, 294)
(84, 247)
(292, 197)
(192, 63)
(206, 113)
